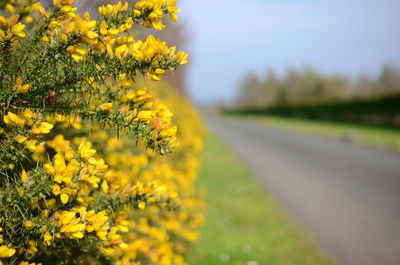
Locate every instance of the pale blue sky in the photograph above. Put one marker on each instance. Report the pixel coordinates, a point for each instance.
(233, 37)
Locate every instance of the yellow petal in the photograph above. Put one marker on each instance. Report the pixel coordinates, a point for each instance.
(64, 198)
(106, 106)
(104, 186)
(24, 176)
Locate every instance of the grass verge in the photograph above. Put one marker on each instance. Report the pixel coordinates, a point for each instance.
(244, 225)
(388, 138)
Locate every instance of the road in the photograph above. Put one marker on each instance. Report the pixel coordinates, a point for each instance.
(347, 196)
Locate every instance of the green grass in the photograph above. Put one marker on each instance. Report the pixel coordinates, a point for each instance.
(243, 222)
(388, 138)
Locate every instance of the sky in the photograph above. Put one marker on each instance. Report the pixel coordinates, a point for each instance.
(233, 37)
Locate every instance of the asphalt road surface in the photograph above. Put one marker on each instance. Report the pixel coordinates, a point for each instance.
(347, 196)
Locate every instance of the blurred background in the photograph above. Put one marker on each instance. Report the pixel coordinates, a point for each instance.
(305, 94)
(302, 98)
(350, 45)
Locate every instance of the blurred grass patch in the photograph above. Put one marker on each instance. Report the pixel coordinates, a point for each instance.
(383, 137)
(244, 225)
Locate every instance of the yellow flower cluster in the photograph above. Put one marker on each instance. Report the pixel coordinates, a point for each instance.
(139, 106)
(12, 120)
(163, 240)
(87, 37)
(12, 29)
(109, 10)
(155, 10)
(5, 252)
(74, 227)
(24, 9)
(29, 127)
(78, 186)
(77, 179)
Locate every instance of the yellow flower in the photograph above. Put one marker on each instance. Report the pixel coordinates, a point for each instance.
(108, 251)
(123, 81)
(113, 32)
(121, 50)
(47, 238)
(6, 252)
(145, 115)
(21, 139)
(160, 71)
(28, 224)
(77, 53)
(104, 186)
(12, 120)
(65, 217)
(153, 76)
(106, 106)
(173, 17)
(28, 114)
(103, 28)
(31, 247)
(69, 153)
(57, 3)
(141, 205)
(21, 88)
(157, 25)
(49, 169)
(44, 128)
(77, 235)
(21, 191)
(10, 9)
(102, 234)
(18, 30)
(85, 150)
(182, 57)
(31, 145)
(24, 176)
(105, 10)
(59, 163)
(64, 198)
(64, 38)
(56, 189)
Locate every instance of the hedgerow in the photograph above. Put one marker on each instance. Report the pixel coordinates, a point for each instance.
(85, 174)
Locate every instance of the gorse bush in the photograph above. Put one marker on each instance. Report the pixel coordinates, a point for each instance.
(84, 178)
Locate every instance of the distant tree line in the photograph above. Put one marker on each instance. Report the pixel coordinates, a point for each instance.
(307, 86)
(309, 94)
